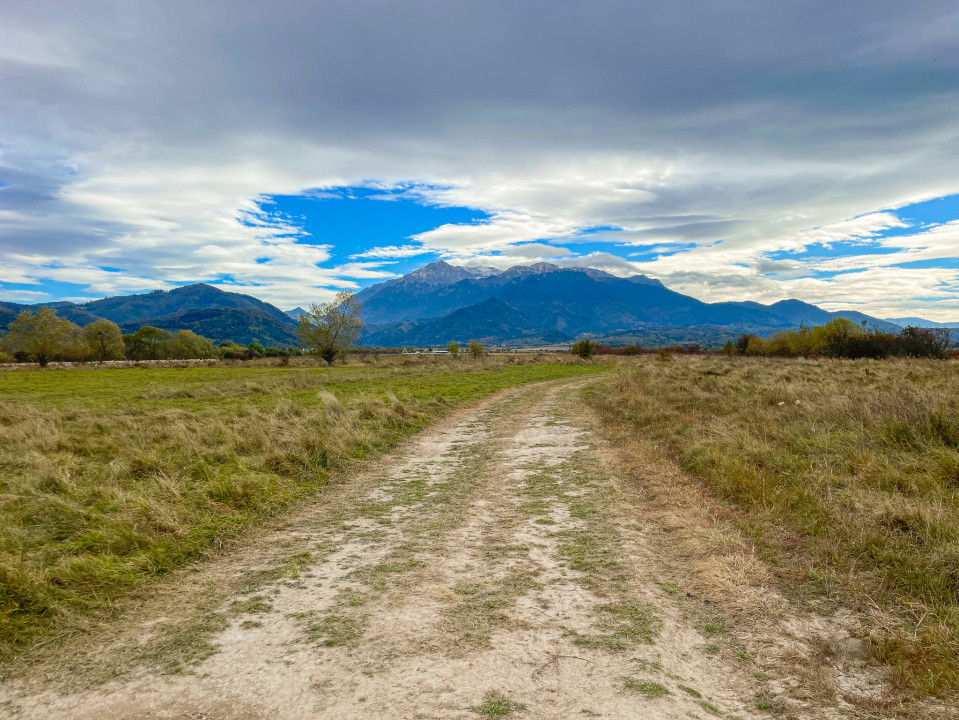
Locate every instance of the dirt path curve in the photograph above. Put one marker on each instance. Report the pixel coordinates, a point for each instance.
(483, 572)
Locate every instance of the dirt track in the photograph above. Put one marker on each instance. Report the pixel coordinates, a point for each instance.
(484, 569)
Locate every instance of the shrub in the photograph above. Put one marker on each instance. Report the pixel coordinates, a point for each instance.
(476, 348)
(842, 338)
(583, 348)
(755, 346)
(235, 352)
(742, 343)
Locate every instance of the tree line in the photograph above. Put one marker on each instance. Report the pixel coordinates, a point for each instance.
(840, 338)
(843, 338)
(44, 337)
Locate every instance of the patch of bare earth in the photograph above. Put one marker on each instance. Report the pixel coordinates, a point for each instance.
(487, 570)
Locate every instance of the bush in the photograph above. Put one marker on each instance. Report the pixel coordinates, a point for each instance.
(842, 338)
(476, 348)
(235, 352)
(583, 348)
(742, 342)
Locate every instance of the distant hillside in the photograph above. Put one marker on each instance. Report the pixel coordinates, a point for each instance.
(488, 321)
(952, 327)
(219, 324)
(923, 323)
(204, 309)
(426, 307)
(125, 309)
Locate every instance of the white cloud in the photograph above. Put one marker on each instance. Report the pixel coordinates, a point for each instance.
(387, 252)
(859, 229)
(23, 296)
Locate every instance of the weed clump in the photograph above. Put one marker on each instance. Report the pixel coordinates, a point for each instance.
(495, 704)
(649, 688)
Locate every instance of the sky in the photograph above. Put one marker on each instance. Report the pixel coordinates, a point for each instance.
(735, 150)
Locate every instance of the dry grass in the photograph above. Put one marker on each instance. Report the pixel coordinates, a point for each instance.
(109, 478)
(841, 475)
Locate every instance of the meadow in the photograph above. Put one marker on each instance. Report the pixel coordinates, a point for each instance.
(843, 475)
(110, 478)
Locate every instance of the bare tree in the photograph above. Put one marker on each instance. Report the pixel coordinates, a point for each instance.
(332, 328)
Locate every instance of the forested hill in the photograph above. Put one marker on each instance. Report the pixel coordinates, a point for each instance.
(204, 309)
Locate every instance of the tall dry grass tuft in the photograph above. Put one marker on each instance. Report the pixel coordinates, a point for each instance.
(844, 474)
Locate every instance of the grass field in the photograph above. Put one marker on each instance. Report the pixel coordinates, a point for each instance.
(109, 478)
(843, 474)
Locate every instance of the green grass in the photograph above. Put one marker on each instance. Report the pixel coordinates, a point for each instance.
(331, 630)
(110, 478)
(256, 604)
(709, 707)
(496, 704)
(649, 688)
(843, 474)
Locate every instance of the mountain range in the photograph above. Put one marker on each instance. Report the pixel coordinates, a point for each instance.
(539, 304)
(544, 303)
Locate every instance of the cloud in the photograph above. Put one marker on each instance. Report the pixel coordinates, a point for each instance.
(504, 231)
(392, 252)
(718, 133)
(23, 296)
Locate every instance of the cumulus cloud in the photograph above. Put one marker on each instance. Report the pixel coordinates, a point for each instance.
(146, 137)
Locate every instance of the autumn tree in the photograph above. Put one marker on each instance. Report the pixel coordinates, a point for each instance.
(102, 340)
(187, 345)
(332, 328)
(150, 343)
(43, 335)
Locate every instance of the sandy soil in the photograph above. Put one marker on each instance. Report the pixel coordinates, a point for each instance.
(483, 571)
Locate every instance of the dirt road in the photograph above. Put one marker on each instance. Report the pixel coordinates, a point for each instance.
(483, 571)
